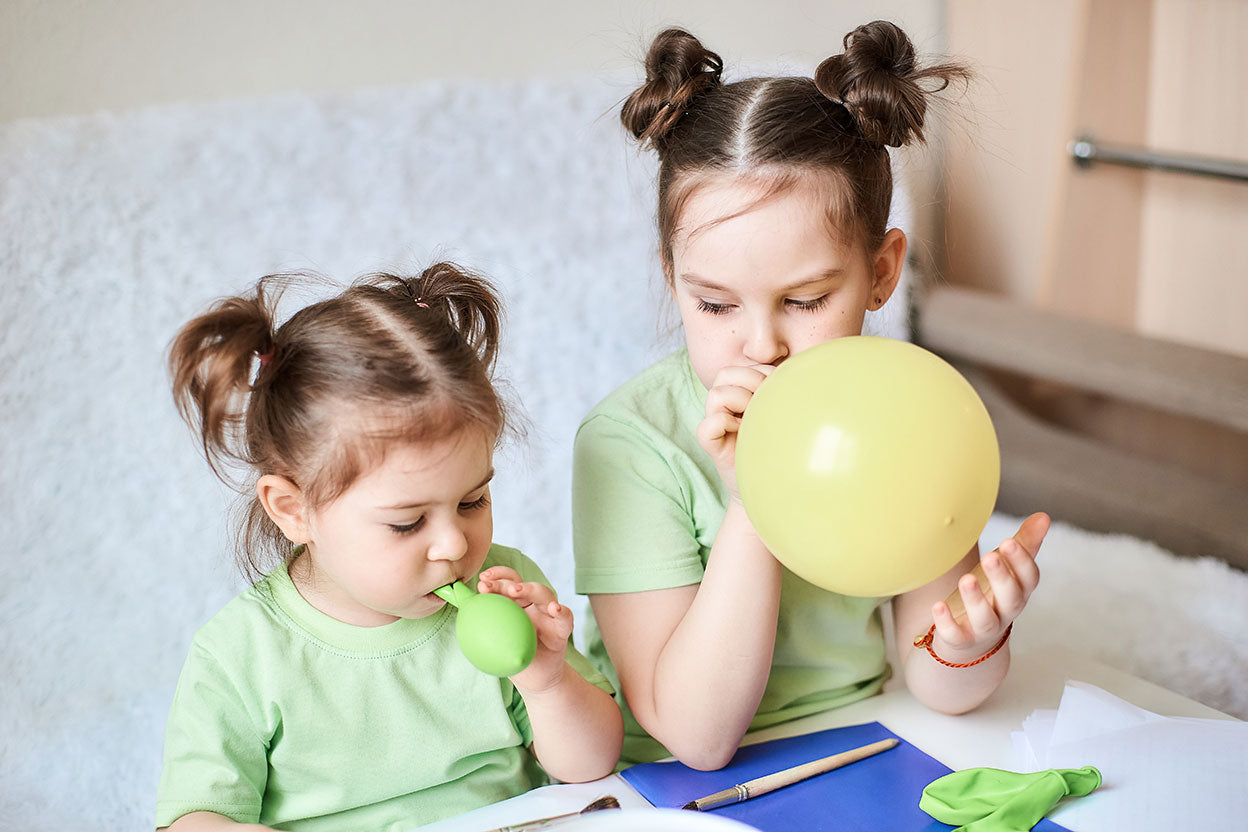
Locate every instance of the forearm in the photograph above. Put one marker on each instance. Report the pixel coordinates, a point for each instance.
(711, 673)
(978, 631)
(211, 822)
(951, 690)
(577, 728)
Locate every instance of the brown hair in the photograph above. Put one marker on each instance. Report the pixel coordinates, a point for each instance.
(391, 357)
(778, 131)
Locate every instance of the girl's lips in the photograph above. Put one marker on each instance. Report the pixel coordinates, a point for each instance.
(430, 595)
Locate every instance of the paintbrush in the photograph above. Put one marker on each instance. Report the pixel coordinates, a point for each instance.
(780, 779)
(608, 802)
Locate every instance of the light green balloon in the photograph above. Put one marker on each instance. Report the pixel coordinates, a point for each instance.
(494, 633)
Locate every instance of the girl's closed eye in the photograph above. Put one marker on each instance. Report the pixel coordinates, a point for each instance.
(807, 305)
(479, 503)
(713, 308)
(407, 528)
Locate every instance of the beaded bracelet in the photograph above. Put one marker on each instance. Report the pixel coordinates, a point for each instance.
(925, 641)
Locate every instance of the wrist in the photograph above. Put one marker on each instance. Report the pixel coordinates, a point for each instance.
(544, 688)
(964, 657)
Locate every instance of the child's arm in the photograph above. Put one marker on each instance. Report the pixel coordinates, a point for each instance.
(577, 727)
(210, 822)
(694, 661)
(955, 690)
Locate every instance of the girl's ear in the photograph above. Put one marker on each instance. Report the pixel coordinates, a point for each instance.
(886, 267)
(284, 503)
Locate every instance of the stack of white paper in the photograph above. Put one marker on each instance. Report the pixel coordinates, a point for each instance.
(1159, 773)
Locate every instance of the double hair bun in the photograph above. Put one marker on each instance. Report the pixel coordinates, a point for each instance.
(877, 80)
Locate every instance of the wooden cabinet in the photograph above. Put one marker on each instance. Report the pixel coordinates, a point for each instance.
(1156, 253)
(1158, 261)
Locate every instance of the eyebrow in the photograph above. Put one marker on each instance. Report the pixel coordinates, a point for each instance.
(405, 506)
(702, 283)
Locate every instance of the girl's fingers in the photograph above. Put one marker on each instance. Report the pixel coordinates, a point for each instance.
(948, 628)
(495, 586)
(747, 378)
(1031, 533)
(554, 625)
(500, 573)
(717, 426)
(1008, 594)
(728, 399)
(530, 593)
(1022, 563)
(980, 615)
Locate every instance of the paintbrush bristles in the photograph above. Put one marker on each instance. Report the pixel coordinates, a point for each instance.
(608, 802)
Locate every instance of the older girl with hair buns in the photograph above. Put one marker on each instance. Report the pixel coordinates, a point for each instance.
(332, 695)
(773, 206)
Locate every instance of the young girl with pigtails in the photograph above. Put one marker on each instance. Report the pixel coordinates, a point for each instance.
(773, 206)
(332, 695)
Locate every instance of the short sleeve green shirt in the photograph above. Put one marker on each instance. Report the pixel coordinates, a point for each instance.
(287, 717)
(647, 503)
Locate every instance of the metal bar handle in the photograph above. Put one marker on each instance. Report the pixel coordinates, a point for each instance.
(1086, 151)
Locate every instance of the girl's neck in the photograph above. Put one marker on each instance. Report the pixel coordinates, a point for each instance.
(320, 595)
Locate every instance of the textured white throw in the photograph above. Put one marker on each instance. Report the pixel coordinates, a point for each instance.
(119, 227)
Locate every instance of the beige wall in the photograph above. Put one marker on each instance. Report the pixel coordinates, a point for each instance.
(76, 56)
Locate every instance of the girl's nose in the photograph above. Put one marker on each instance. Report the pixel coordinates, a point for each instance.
(449, 543)
(764, 343)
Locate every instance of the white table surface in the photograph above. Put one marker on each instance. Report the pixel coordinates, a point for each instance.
(980, 738)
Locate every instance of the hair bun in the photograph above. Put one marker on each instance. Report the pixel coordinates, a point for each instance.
(678, 69)
(878, 81)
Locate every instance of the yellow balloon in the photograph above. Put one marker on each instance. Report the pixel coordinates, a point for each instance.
(867, 465)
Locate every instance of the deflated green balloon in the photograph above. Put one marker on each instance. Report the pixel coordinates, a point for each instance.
(993, 800)
(494, 633)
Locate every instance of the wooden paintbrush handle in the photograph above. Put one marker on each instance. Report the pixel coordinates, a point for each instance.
(771, 782)
(780, 779)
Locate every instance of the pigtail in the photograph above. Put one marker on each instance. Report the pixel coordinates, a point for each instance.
(468, 300)
(211, 363)
(878, 81)
(678, 69)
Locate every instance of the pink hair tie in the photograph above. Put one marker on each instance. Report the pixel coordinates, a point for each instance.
(421, 303)
(266, 358)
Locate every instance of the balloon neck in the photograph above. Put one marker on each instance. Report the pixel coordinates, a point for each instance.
(454, 594)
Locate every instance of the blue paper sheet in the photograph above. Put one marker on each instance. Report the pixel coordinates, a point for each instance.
(877, 794)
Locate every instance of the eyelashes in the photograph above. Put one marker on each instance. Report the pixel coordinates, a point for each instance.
(407, 528)
(480, 502)
(476, 505)
(724, 308)
(713, 308)
(808, 305)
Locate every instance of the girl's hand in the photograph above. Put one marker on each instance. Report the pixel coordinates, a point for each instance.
(1012, 575)
(552, 620)
(725, 402)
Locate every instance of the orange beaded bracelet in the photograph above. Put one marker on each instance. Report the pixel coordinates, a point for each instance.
(925, 641)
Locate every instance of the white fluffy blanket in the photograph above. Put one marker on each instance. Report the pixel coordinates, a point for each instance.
(118, 227)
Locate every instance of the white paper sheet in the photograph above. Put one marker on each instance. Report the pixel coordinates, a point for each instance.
(1159, 773)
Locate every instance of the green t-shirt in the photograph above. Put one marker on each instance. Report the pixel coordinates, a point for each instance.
(646, 506)
(287, 717)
